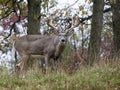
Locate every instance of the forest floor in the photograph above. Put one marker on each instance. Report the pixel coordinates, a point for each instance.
(98, 77)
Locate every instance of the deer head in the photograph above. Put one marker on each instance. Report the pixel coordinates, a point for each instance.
(63, 35)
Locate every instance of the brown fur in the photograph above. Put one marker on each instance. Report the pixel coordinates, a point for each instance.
(49, 46)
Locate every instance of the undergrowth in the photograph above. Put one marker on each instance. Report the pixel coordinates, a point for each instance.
(98, 77)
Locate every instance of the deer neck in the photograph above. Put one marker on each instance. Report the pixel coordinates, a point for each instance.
(59, 47)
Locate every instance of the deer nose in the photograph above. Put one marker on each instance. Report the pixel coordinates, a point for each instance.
(63, 40)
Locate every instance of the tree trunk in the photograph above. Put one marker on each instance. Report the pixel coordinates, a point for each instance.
(34, 9)
(34, 16)
(116, 26)
(96, 28)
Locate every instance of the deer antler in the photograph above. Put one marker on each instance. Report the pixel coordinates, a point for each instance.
(49, 23)
(75, 23)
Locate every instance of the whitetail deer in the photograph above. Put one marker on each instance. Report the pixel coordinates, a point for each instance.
(49, 46)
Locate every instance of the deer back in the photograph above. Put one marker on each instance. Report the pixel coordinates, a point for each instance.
(39, 45)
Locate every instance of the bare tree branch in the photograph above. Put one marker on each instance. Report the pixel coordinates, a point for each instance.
(86, 18)
(18, 16)
(7, 2)
(73, 4)
(6, 15)
(89, 17)
(8, 10)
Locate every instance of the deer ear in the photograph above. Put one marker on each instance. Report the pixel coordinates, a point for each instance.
(56, 32)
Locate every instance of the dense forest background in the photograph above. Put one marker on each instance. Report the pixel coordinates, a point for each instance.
(94, 42)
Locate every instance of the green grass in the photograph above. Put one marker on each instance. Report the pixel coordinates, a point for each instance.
(98, 77)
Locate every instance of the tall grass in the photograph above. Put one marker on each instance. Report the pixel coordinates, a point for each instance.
(98, 77)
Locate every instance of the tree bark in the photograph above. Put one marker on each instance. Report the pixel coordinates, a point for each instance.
(34, 10)
(116, 26)
(96, 28)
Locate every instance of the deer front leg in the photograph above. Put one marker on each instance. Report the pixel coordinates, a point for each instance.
(46, 64)
(17, 69)
(21, 66)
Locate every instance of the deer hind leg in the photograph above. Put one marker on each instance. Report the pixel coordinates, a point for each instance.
(21, 66)
(47, 64)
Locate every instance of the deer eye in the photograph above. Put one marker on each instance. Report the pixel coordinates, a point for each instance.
(59, 34)
(65, 35)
